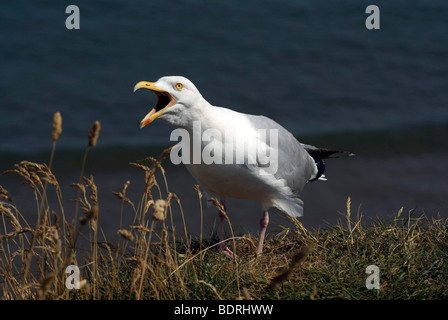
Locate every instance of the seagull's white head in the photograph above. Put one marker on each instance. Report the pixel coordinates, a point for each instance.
(175, 95)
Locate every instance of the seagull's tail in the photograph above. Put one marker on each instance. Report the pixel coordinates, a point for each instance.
(318, 154)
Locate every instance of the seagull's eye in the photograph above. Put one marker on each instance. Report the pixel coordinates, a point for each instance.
(179, 86)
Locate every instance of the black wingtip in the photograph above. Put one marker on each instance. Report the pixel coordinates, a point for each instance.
(321, 153)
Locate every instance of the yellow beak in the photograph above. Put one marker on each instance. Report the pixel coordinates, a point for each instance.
(147, 85)
(162, 97)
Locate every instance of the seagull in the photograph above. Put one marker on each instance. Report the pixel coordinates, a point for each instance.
(276, 184)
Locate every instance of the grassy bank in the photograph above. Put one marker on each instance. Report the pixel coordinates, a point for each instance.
(150, 261)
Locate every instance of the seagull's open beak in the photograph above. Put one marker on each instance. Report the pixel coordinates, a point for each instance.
(164, 101)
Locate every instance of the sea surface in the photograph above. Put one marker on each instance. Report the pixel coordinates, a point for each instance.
(310, 65)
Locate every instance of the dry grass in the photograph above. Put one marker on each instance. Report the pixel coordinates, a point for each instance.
(150, 261)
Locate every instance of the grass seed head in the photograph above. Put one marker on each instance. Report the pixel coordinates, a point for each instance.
(5, 209)
(94, 133)
(296, 260)
(122, 195)
(91, 215)
(126, 234)
(57, 126)
(4, 194)
(159, 209)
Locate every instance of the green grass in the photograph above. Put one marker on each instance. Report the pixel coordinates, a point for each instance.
(150, 261)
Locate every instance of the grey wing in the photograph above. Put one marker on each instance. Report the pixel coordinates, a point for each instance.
(294, 163)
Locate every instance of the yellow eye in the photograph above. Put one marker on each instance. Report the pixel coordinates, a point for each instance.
(179, 86)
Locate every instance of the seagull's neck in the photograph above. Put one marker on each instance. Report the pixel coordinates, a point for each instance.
(201, 112)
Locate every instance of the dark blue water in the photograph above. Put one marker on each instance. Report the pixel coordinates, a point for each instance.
(310, 65)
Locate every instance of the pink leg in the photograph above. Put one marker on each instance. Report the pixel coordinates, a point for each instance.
(263, 226)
